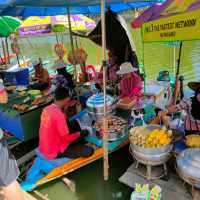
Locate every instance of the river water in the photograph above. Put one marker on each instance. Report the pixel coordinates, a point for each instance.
(157, 56)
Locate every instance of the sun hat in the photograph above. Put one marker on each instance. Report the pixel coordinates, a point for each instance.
(194, 85)
(126, 68)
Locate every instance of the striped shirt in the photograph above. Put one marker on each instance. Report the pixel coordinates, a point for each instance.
(190, 123)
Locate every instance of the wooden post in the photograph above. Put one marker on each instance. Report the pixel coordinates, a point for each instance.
(71, 41)
(4, 52)
(177, 82)
(105, 123)
(7, 50)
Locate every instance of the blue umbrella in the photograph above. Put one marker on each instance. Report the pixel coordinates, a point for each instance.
(26, 8)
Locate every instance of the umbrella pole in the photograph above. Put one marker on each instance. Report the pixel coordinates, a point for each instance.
(174, 60)
(57, 38)
(7, 50)
(71, 41)
(177, 75)
(4, 52)
(105, 123)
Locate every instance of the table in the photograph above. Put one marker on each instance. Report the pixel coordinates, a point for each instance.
(23, 126)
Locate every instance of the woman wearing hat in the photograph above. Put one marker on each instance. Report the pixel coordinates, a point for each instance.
(8, 171)
(131, 83)
(192, 107)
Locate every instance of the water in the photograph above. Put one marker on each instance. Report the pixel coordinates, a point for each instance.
(157, 56)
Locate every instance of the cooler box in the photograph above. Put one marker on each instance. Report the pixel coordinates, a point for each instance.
(20, 77)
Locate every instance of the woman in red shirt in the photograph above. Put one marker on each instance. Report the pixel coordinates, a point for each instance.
(131, 83)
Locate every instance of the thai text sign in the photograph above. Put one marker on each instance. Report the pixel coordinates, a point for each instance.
(175, 28)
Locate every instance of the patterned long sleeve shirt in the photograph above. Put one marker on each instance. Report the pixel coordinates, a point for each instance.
(190, 123)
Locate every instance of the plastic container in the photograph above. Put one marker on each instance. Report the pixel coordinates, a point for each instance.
(17, 78)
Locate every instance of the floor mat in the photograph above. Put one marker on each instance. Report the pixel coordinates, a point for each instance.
(172, 187)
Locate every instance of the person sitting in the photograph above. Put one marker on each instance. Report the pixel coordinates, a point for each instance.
(55, 138)
(192, 108)
(42, 77)
(60, 66)
(131, 83)
(9, 170)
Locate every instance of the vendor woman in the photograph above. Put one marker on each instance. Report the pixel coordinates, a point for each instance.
(192, 108)
(131, 83)
(41, 76)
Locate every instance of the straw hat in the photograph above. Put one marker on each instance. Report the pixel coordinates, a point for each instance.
(194, 85)
(126, 68)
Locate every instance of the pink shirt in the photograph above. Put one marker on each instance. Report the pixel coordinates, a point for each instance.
(54, 133)
(130, 85)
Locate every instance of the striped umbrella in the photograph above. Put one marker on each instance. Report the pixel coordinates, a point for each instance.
(37, 25)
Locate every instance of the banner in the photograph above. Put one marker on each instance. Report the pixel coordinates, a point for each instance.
(34, 30)
(175, 28)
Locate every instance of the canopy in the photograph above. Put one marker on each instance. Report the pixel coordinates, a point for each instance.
(8, 25)
(45, 24)
(27, 8)
(181, 21)
(118, 38)
(152, 13)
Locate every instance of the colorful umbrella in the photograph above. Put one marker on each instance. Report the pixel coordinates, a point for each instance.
(39, 25)
(179, 21)
(8, 25)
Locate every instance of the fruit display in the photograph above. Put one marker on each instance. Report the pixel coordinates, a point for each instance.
(144, 137)
(115, 125)
(193, 141)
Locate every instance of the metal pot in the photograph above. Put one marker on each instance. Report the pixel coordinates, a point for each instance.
(188, 166)
(95, 105)
(151, 156)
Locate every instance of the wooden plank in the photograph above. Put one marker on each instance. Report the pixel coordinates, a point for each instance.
(74, 165)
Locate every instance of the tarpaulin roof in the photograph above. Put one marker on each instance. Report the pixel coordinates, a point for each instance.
(51, 7)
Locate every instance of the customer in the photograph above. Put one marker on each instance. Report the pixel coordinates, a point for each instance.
(41, 76)
(131, 83)
(55, 139)
(192, 108)
(8, 167)
(60, 66)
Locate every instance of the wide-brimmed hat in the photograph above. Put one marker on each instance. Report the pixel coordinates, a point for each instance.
(194, 85)
(126, 68)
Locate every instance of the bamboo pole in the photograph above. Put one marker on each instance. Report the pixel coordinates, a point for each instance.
(7, 50)
(71, 41)
(4, 51)
(105, 123)
(177, 75)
